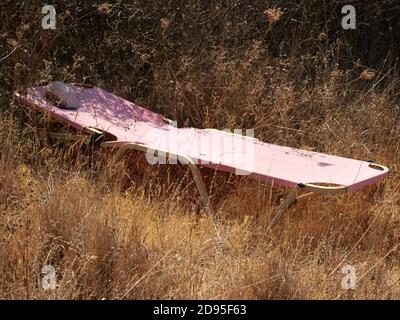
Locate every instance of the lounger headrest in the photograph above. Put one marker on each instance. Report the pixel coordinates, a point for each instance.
(62, 95)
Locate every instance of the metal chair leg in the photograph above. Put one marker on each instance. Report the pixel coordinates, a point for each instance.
(201, 187)
(285, 204)
(198, 179)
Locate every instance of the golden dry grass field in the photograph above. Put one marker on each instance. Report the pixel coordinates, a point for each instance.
(133, 231)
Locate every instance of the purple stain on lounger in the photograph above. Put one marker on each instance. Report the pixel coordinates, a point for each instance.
(324, 164)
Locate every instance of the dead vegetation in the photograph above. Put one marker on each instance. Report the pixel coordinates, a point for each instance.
(132, 231)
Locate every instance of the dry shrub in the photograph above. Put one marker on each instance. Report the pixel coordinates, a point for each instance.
(132, 231)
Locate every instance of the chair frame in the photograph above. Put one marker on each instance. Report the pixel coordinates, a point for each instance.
(291, 198)
(95, 137)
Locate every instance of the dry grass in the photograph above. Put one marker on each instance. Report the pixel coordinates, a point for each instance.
(132, 231)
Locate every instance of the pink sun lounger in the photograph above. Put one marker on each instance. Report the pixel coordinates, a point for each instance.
(115, 122)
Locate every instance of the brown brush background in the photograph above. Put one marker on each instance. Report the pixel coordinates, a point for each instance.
(132, 231)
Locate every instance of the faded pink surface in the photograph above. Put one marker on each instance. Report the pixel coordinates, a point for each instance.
(130, 123)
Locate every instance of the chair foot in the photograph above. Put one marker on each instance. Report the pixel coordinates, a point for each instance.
(285, 204)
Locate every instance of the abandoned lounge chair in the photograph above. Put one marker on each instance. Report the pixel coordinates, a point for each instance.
(110, 121)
